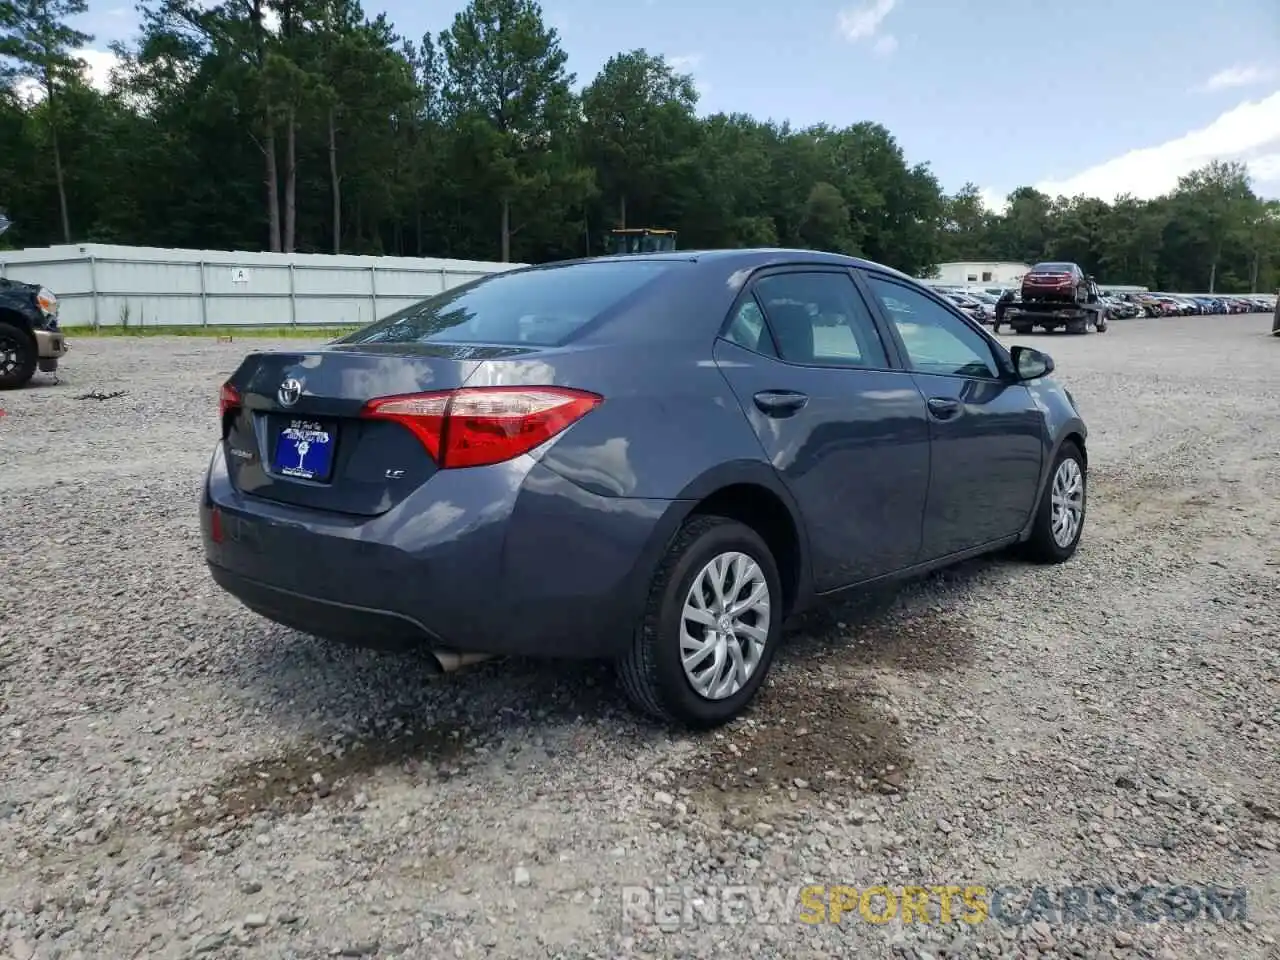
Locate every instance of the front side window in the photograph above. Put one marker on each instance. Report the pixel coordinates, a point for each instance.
(936, 340)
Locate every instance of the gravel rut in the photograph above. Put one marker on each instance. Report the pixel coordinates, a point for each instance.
(179, 777)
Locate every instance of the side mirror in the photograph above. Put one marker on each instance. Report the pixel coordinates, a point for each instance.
(1030, 364)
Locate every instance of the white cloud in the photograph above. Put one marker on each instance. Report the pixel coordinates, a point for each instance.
(1246, 75)
(885, 45)
(861, 23)
(688, 64)
(98, 67)
(993, 200)
(1266, 170)
(100, 64)
(685, 63)
(1249, 132)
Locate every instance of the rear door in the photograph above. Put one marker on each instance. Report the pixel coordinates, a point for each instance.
(987, 432)
(841, 422)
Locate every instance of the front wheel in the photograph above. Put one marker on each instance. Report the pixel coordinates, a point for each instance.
(711, 626)
(1059, 522)
(17, 357)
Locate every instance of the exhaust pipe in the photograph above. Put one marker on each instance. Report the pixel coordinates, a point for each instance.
(451, 660)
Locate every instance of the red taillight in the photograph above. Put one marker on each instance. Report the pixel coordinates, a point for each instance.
(215, 525)
(475, 426)
(228, 399)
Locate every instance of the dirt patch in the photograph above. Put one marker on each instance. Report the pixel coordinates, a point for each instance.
(294, 781)
(929, 642)
(822, 723)
(810, 731)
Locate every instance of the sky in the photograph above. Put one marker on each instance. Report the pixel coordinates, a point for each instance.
(1099, 97)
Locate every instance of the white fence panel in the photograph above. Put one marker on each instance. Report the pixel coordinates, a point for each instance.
(103, 285)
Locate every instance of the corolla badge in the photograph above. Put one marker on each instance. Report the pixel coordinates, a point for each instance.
(289, 392)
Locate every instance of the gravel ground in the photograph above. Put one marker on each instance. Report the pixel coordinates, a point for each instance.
(179, 777)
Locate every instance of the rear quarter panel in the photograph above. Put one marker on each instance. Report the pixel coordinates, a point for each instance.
(668, 417)
(665, 421)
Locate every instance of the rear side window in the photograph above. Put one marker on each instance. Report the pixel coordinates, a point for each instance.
(538, 307)
(820, 318)
(747, 329)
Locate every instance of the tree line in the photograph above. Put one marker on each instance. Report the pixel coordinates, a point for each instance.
(307, 125)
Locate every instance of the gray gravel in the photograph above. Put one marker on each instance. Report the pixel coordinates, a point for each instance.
(179, 777)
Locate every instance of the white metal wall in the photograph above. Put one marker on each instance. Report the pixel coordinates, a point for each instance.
(103, 285)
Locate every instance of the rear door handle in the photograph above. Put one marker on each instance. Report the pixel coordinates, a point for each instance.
(944, 408)
(780, 403)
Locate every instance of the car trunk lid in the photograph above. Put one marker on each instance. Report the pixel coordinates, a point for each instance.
(294, 431)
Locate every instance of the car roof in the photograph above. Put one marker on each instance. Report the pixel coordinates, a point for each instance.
(751, 258)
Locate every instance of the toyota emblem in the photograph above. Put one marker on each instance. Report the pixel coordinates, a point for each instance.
(289, 392)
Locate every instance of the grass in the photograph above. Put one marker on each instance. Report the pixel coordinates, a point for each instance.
(235, 331)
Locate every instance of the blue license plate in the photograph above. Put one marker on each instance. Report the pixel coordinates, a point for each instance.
(304, 450)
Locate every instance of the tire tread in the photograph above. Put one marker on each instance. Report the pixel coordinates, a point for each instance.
(27, 371)
(637, 669)
(1040, 546)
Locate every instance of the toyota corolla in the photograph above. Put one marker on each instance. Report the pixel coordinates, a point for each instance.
(653, 459)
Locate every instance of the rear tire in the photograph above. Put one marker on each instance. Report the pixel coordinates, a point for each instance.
(653, 671)
(1052, 539)
(18, 356)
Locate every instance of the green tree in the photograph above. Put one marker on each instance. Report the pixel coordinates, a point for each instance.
(966, 226)
(508, 91)
(1024, 232)
(1213, 205)
(36, 45)
(825, 225)
(638, 129)
(473, 146)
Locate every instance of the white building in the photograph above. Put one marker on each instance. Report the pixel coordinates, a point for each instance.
(981, 273)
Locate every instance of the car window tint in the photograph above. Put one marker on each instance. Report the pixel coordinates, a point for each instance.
(542, 307)
(747, 329)
(820, 318)
(936, 341)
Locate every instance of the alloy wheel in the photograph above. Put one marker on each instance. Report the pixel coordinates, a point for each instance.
(10, 351)
(1067, 502)
(724, 625)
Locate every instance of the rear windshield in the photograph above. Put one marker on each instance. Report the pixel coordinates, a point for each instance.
(540, 307)
(1051, 268)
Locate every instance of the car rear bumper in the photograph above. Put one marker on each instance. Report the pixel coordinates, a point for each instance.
(508, 560)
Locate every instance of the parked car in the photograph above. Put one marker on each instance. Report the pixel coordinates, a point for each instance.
(1055, 282)
(987, 300)
(653, 459)
(971, 306)
(1120, 308)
